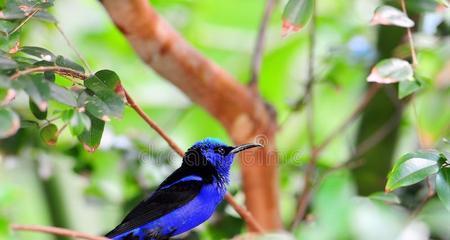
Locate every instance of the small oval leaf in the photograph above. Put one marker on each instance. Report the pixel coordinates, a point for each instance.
(91, 138)
(406, 88)
(443, 185)
(10, 122)
(6, 96)
(391, 70)
(49, 134)
(7, 63)
(41, 115)
(105, 104)
(388, 15)
(79, 122)
(39, 52)
(412, 168)
(296, 15)
(64, 62)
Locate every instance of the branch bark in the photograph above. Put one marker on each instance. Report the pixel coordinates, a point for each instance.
(56, 231)
(243, 114)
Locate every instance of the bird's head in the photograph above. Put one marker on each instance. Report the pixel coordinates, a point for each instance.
(214, 155)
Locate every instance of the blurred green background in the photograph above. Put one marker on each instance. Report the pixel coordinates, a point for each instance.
(65, 186)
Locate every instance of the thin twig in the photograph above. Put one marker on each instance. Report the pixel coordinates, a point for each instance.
(259, 46)
(244, 213)
(24, 21)
(309, 96)
(430, 195)
(74, 49)
(375, 138)
(56, 231)
(56, 69)
(153, 124)
(356, 112)
(410, 38)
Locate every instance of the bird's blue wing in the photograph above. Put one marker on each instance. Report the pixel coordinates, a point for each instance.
(164, 200)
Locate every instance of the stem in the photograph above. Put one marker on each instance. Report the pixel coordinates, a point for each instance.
(245, 215)
(259, 46)
(56, 231)
(153, 124)
(24, 21)
(356, 112)
(69, 43)
(311, 167)
(410, 38)
(56, 69)
(430, 195)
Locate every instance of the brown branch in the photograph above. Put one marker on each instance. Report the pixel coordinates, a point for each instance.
(259, 46)
(56, 69)
(243, 114)
(56, 231)
(245, 215)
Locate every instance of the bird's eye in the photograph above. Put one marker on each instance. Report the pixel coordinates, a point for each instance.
(220, 150)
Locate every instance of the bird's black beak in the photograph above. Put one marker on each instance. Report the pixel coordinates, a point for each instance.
(243, 147)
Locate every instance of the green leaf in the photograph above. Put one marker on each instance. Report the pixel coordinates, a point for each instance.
(78, 121)
(39, 52)
(391, 70)
(91, 138)
(64, 62)
(5, 82)
(6, 96)
(104, 105)
(388, 15)
(7, 63)
(412, 168)
(406, 88)
(41, 115)
(443, 186)
(102, 80)
(49, 134)
(10, 122)
(37, 88)
(62, 95)
(388, 198)
(296, 15)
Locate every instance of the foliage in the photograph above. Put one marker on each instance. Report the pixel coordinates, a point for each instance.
(103, 159)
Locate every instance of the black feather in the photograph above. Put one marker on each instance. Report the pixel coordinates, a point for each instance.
(166, 199)
(158, 204)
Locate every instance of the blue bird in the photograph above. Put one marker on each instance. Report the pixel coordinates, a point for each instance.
(187, 198)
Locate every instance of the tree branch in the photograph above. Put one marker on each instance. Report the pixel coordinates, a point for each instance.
(246, 216)
(56, 231)
(56, 69)
(243, 114)
(259, 46)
